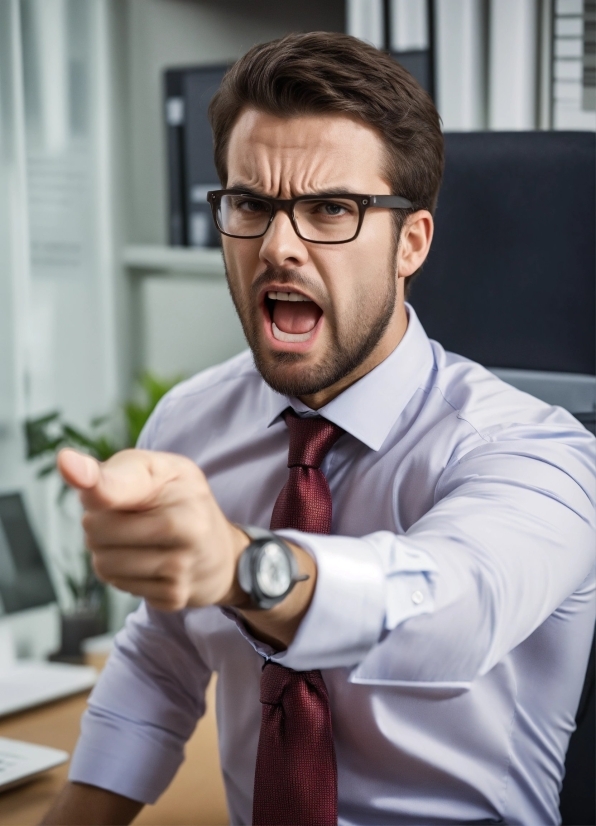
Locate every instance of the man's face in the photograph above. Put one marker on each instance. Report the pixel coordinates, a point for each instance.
(344, 314)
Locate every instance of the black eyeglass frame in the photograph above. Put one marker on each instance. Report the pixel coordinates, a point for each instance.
(363, 202)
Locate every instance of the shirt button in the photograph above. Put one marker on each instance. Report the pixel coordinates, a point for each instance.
(417, 597)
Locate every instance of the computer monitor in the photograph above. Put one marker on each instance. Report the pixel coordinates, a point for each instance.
(24, 579)
(28, 604)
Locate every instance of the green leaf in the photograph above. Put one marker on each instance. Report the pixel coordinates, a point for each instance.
(137, 413)
(78, 438)
(106, 448)
(48, 434)
(45, 471)
(74, 587)
(64, 489)
(38, 436)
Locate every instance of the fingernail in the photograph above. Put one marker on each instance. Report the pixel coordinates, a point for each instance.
(84, 467)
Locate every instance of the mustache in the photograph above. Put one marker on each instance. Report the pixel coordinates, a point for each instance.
(292, 278)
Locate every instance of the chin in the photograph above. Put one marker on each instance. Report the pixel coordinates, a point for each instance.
(289, 373)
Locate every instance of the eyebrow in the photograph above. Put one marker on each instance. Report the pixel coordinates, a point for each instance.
(336, 190)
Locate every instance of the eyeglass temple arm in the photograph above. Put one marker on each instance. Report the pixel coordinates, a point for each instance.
(390, 201)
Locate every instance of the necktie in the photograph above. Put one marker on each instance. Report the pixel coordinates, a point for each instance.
(296, 772)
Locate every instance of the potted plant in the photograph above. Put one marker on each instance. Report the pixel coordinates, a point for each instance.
(45, 436)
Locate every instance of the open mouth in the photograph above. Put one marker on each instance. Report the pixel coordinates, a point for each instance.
(294, 317)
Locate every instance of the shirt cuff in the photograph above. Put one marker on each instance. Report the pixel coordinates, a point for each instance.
(365, 587)
(347, 612)
(410, 574)
(124, 760)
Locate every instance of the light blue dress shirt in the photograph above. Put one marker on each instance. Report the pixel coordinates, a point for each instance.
(453, 611)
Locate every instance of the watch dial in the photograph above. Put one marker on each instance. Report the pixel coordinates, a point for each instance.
(273, 571)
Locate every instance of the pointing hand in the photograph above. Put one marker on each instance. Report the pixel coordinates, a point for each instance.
(155, 529)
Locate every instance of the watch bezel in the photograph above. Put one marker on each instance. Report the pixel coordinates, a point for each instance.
(248, 566)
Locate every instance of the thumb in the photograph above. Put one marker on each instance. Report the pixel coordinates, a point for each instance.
(128, 480)
(77, 469)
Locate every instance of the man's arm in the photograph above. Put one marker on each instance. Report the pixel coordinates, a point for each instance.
(81, 805)
(156, 531)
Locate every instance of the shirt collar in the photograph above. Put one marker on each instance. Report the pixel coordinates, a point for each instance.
(369, 408)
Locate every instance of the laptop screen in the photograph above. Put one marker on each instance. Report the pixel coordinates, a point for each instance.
(24, 578)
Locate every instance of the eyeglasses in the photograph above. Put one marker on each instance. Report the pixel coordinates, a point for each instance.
(322, 219)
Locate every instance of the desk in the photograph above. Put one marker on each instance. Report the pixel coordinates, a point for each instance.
(196, 796)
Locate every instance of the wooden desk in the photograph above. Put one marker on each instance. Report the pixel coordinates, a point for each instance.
(195, 797)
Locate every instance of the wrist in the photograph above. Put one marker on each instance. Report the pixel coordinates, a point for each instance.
(278, 625)
(267, 569)
(235, 596)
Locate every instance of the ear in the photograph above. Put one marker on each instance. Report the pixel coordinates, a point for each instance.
(414, 242)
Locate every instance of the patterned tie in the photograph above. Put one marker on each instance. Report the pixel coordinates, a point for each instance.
(296, 772)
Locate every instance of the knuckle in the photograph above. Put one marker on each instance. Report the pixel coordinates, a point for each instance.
(176, 596)
(194, 474)
(99, 567)
(168, 525)
(89, 524)
(91, 541)
(177, 566)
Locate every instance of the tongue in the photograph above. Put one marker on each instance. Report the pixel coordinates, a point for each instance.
(296, 316)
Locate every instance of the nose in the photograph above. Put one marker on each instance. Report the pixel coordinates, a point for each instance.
(281, 247)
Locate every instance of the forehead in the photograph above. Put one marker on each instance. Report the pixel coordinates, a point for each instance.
(304, 154)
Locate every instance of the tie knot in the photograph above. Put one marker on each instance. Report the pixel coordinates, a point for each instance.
(310, 439)
(280, 685)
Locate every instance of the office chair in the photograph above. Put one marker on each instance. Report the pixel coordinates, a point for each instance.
(510, 283)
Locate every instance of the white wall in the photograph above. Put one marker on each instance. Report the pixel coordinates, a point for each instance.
(58, 328)
(166, 33)
(513, 64)
(461, 63)
(14, 247)
(36, 632)
(187, 325)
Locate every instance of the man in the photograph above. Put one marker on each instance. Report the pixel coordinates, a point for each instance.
(423, 663)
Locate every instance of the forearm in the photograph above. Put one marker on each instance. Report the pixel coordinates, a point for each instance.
(79, 804)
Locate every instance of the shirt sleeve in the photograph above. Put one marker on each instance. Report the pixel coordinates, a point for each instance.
(143, 709)
(509, 538)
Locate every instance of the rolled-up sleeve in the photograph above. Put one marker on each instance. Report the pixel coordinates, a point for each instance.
(143, 709)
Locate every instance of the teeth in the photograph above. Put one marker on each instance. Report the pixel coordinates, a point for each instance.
(286, 296)
(290, 337)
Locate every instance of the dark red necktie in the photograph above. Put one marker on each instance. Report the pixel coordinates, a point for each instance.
(296, 772)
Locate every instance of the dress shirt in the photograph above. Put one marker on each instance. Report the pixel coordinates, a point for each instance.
(453, 610)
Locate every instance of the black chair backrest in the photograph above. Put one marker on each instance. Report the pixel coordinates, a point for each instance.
(510, 282)
(510, 279)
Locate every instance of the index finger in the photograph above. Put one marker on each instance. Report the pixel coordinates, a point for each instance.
(127, 481)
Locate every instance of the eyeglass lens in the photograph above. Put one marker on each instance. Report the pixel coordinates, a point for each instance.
(317, 219)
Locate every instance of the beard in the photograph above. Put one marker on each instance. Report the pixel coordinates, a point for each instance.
(369, 318)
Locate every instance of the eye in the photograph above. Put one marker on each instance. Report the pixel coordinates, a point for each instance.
(333, 209)
(330, 209)
(250, 205)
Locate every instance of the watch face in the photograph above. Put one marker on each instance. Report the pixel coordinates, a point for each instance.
(273, 573)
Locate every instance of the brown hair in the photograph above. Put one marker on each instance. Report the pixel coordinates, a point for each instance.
(323, 72)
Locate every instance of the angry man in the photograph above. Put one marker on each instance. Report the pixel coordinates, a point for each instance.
(385, 553)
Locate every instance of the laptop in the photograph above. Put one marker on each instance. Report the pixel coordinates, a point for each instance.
(20, 762)
(26, 684)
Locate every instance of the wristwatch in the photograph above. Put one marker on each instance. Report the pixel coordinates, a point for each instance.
(267, 568)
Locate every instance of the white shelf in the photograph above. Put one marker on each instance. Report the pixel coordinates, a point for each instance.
(149, 258)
